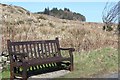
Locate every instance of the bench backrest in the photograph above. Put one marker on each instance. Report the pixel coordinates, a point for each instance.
(36, 49)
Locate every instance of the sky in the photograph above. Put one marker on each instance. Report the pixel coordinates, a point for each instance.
(91, 10)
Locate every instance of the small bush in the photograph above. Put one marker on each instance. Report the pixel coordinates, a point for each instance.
(20, 10)
(30, 20)
(64, 22)
(51, 24)
(20, 22)
(41, 17)
(41, 24)
(28, 13)
(4, 5)
(109, 28)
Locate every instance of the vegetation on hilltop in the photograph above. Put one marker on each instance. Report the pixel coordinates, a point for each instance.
(63, 14)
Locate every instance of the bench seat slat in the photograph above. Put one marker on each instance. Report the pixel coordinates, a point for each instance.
(39, 61)
(34, 62)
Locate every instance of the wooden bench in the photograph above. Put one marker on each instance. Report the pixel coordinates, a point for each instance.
(28, 56)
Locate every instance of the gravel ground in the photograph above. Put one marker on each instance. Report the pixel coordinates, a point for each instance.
(111, 75)
(50, 75)
(57, 74)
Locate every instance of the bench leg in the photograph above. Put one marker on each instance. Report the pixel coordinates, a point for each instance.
(71, 65)
(11, 76)
(24, 74)
(11, 73)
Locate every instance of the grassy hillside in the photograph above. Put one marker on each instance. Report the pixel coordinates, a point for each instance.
(19, 24)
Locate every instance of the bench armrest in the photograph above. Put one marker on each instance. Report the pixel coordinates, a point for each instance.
(70, 49)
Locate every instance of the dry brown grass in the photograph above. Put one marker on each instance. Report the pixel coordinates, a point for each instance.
(83, 36)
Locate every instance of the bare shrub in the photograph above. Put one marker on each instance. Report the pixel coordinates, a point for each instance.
(110, 14)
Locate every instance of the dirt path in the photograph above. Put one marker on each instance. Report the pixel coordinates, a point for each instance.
(111, 75)
(57, 74)
(51, 75)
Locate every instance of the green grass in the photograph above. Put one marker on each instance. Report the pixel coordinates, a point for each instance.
(6, 74)
(94, 63)
(90, 64)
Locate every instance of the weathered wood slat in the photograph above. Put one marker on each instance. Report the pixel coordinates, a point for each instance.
(14, 49)
(49, 50)
(32, 42)
(35, 53)
(26, 47)
(55, 50)
(42, 51)
(38, 50)
(31, 52)
(52, 50)
(45, 50)
(23, 49)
